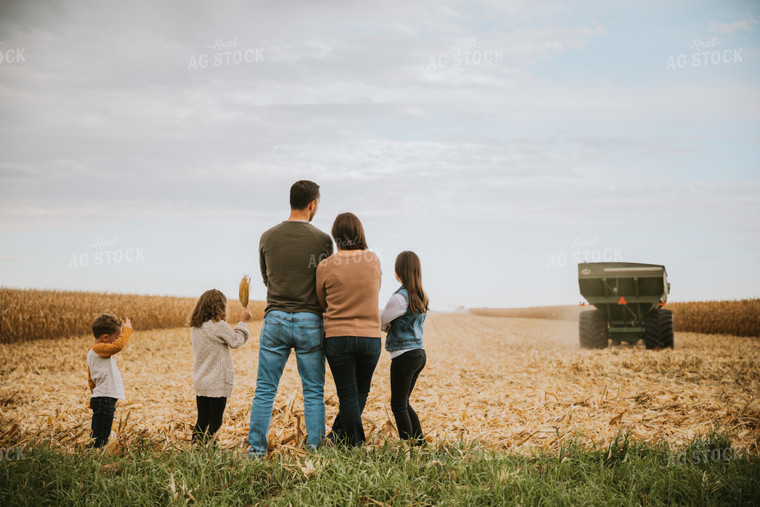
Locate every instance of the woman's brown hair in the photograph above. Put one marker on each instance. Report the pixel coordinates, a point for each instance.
(212, 305)
(409, 270)
(348, 233)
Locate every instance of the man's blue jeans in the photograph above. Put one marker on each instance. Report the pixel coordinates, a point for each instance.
(282, 331)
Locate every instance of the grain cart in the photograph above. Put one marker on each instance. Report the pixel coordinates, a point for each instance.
(628, 298)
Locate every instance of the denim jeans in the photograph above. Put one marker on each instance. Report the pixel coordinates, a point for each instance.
(352, 361)
(103, 409)
(282, 331)
(404, 372)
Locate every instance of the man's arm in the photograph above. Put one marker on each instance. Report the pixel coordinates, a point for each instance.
(109, 349)
(321, 295)
(263, 262)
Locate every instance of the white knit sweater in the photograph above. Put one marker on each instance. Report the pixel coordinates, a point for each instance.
(213, 372)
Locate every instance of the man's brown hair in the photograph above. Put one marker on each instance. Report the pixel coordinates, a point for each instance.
(105, 324)
(302, 193)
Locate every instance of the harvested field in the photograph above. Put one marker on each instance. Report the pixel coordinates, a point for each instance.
(506, 382)
(566, 312)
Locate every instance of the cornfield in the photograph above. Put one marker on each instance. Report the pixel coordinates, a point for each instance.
(29, 314)
(738, 318)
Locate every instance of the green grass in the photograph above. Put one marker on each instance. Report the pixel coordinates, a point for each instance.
(625, 473)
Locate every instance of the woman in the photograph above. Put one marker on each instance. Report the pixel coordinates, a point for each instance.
(348, 287)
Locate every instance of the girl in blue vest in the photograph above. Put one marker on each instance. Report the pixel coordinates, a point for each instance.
(402, 318)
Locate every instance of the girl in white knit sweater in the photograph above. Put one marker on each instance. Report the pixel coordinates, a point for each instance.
(213, 372)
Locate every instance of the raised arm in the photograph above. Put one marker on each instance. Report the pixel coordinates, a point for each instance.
(234, 338)
(109, 349)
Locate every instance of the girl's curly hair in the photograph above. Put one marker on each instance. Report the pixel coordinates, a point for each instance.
(212, 305)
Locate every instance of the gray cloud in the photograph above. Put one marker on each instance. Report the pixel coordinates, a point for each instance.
(743, 25)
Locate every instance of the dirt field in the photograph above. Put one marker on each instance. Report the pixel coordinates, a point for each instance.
(506, 382)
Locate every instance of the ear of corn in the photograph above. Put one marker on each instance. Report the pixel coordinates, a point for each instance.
(245, 285)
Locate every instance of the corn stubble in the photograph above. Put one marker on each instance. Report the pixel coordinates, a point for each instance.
(506, 383)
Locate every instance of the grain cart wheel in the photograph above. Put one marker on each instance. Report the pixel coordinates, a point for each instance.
(665, 326)
(658, 329)
(592, 329)
(652, 330)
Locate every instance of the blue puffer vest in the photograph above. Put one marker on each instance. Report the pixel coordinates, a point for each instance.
(406, 331)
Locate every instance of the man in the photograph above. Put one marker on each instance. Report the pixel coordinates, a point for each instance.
(289, 254)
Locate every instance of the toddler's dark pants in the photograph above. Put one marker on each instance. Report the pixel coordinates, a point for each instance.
(210, 412)
(103, 409)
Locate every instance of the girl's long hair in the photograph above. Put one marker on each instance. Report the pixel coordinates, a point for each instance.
(212, 305)
(409, 270)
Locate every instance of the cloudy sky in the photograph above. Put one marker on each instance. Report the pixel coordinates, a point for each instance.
(145, 146)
